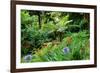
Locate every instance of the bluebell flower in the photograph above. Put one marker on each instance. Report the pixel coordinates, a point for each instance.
(66, 50)
(28, 58)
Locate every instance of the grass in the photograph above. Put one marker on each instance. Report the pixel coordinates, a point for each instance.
(73, 47)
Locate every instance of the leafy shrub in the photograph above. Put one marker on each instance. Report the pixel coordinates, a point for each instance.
(73, 28)
(78, 49)
(54, 36)
(84, 24)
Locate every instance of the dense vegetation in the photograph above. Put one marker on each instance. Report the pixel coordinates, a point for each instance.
(54, 36)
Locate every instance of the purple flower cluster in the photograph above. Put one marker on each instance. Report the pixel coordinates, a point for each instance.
(66, 50)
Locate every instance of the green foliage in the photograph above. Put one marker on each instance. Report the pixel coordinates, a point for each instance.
(54, 36)
(73, 28)
(79, 51)
(24, 51)
(84, 24)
